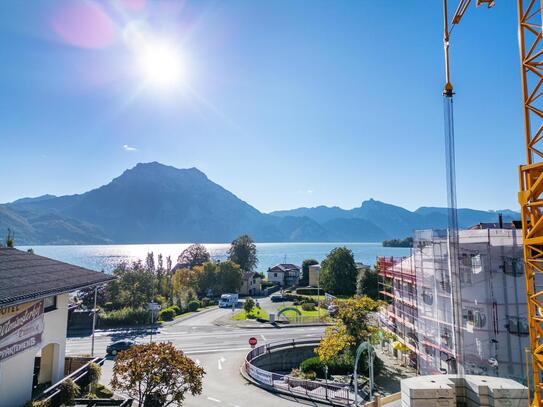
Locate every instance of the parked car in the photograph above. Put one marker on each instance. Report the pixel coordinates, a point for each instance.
(278, 298)
(115, 347)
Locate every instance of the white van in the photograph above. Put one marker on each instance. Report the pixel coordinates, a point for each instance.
(228, 300)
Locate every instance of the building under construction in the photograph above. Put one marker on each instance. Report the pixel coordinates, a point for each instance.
(494, 326)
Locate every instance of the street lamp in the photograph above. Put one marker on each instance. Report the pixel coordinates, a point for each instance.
(364, 346)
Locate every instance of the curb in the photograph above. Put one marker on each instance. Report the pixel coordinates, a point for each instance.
(186, 317)
(269, 326)
(272, 389)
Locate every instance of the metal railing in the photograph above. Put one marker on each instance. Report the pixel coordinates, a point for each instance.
(334, 392)
(79, 377)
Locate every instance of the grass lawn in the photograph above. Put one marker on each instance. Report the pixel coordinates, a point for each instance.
(318, 312)
(256, 313)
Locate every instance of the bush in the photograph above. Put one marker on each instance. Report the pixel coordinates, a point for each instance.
(176, 309)
(103, 392)
(206, 302)
(167, 314)
(249, 305)
(308, 306)
(123, 317)
(313, 364)
(94, 373)
(68, 392)
(193, 306)
(308, 291)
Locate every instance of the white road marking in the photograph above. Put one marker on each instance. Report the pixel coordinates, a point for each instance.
(213, 399)
(220, 362)
(263, 337)
(233, 405)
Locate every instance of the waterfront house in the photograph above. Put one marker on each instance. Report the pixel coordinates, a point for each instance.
(286, 275)
(34, 296)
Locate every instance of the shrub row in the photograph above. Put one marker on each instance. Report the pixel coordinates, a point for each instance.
(339, 366)
(308, 291)
(123, 317)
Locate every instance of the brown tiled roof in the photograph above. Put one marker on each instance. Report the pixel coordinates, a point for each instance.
(26, 276)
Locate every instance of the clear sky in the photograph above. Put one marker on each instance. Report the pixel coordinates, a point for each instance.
(285, 103)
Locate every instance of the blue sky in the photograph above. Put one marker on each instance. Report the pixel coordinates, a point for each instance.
(285, 103)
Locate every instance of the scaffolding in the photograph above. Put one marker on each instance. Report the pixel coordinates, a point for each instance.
(494, 325)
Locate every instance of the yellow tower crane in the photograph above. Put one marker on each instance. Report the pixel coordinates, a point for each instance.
(530, 195)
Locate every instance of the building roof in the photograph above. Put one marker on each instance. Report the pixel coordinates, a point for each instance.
(247, 275)
(284, 267)
(496, 225)
(26, 276)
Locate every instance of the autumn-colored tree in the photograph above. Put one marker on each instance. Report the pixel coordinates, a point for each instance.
(352, 327)
(156, 371)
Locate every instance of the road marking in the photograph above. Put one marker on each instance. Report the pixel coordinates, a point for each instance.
(233, 405)
(263, 337)
(220, 362)
(213, 399)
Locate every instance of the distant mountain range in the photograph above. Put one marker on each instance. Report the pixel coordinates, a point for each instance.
(155, 203)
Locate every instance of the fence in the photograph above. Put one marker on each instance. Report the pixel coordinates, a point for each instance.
(80, 377)
(336, 393)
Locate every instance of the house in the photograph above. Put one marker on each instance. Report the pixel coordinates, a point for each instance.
(34, 296)
(420, 296)
(251, 283)
(286, 275)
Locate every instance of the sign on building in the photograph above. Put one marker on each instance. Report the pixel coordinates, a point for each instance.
(21, 328)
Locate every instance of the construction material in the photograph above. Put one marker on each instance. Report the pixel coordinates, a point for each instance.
(456, 390)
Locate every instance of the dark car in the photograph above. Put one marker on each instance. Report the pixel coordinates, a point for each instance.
(118, 346)
(278, 298)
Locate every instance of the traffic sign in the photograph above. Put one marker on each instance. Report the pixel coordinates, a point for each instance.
(252, 341)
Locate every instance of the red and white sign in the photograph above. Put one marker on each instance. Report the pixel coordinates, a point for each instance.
(252, 341)
(21, 327)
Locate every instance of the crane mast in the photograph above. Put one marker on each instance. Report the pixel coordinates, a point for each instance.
(531, 179)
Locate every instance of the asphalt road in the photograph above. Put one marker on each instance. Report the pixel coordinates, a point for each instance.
(219, 349)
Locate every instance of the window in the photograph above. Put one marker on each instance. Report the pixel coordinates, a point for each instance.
(477, 263)
(50, 304)
(517, 326)
(512, 266)
(275, 274)
(465, 275)
(475, 317)
(427, 296)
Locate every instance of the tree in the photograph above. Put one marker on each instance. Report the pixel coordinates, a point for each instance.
(207, 278)
(243, 252)
(352, 327)
(194, 255)
(338, 272)
(134, 286)
(249, 305)
(150, 262)
(304, 281)
(156, 374)
(184, 279)
(368, 283)
(229, 276)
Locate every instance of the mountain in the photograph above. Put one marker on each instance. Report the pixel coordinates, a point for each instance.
(393, 221)
(155, 203)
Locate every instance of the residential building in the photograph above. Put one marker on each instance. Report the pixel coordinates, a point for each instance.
(34, 296)
(251, 283)
(494, 326)
(314, 273)
(286, 275)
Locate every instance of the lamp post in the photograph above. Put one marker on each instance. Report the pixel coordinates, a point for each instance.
(371, 355)
(94, 320)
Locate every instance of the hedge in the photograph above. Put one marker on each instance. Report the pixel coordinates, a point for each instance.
(309, 291)
(123, 317)
(193, 306)
(167, 314)
(308, 306)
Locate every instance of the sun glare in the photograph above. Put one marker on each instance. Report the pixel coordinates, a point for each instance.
(160, 64)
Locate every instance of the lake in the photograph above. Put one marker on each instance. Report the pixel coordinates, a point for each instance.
(106, 257)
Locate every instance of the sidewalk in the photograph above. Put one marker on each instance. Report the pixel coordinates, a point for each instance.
(388, 382)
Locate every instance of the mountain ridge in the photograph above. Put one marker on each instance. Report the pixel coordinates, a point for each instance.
(156, 203)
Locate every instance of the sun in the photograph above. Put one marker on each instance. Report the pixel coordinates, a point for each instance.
(160, 64)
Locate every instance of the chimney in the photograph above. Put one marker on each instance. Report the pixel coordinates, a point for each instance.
(500, 220)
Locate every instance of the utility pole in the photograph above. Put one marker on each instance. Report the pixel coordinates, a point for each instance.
(94, 320)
